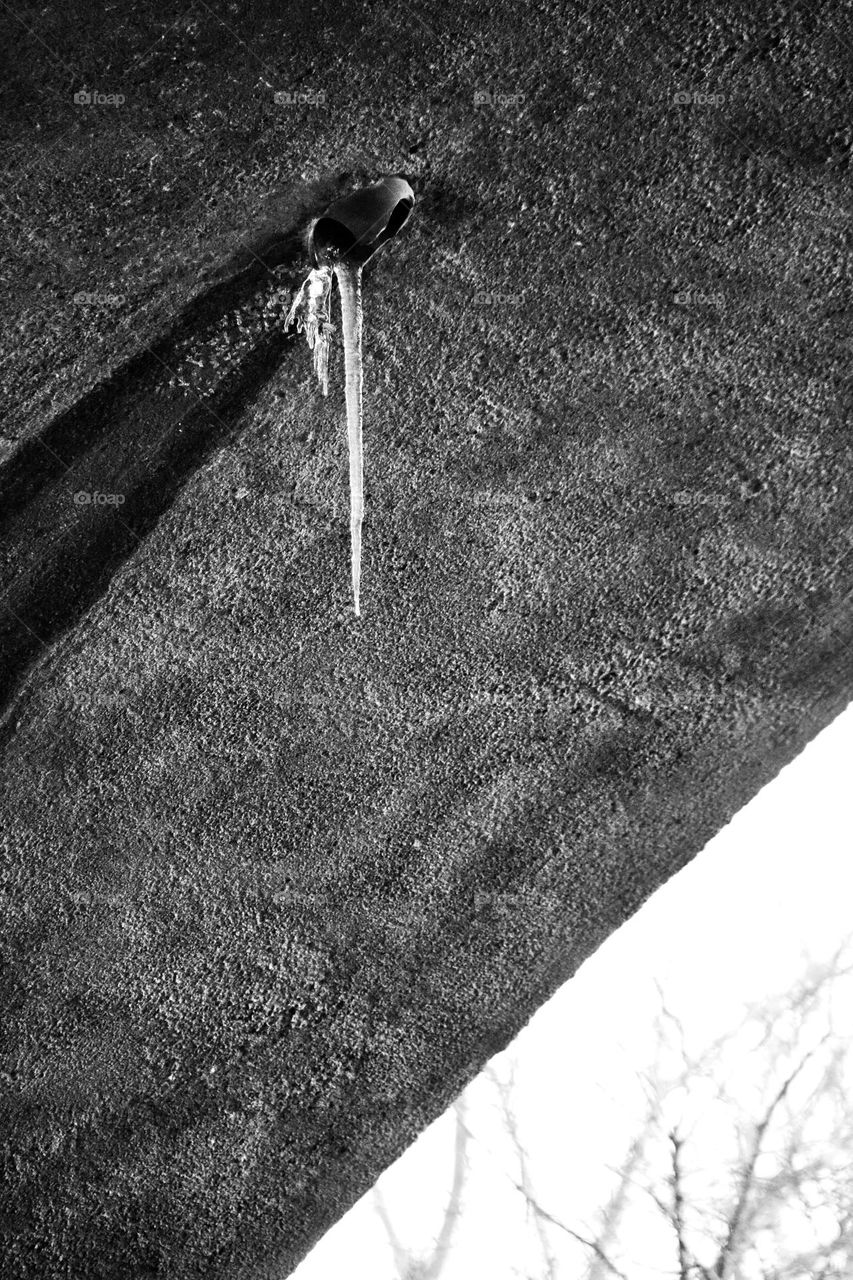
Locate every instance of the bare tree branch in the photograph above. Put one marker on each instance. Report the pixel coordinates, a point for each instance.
(454, 1203)
(505, 1094)
(575, 1235)
(401, 1255)
(721, 1267)
(791, 1167)
(407, 1265)
(615, 1207)
(678, 1206)
(542, 1213)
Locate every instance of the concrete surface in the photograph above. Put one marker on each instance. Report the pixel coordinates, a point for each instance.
(277, 882)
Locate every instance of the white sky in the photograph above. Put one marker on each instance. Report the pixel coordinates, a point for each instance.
(773, 889)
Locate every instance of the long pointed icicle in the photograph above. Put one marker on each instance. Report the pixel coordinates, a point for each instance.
(340, 241)
(349, 283)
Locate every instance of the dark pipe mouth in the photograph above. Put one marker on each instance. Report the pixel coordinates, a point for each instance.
(354, 227)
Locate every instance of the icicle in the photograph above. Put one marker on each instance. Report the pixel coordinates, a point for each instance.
(311, 314)
(349, 282)
(341, 240)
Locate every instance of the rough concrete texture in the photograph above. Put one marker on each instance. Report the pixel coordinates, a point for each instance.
(277, 882)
